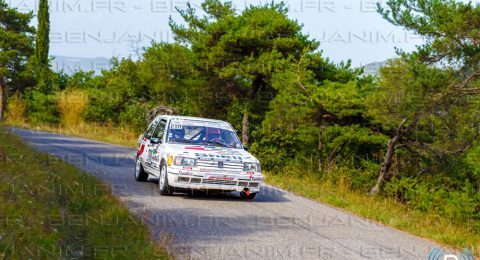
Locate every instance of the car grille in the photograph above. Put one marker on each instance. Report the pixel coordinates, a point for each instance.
(219, 182)
(243, 183)
(235, 166)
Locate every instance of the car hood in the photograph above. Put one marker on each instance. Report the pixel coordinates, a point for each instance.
(207, 152)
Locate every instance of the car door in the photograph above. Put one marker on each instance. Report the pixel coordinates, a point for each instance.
(145, 143)
(155, 143)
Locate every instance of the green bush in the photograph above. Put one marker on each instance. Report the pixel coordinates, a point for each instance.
(42, 108)
(462, 204)
(472, 160)
(102, 106)
(134, 116)
(457, 204)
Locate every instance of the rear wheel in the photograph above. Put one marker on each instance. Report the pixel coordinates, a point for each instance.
(165, 189)
(140, 174)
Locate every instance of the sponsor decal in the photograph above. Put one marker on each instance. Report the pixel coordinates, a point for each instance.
(203, 148)
(219, 153)
(176, 126)
(220, 171)
(188, 168)
(220, 178)
(180, 122)
(184, 173)
(217, 156)
(141, 150)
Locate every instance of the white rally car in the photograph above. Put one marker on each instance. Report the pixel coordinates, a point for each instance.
(189, 153)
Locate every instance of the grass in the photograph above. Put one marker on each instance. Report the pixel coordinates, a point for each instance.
(101, 132)
(51, 210)
(383, 210)
(71, 105)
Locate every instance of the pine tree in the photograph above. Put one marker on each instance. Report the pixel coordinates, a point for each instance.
(16, 46)
(42, 44)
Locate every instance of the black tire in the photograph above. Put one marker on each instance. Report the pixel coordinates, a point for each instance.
(140, 174)
(164, 188)
(250, 196)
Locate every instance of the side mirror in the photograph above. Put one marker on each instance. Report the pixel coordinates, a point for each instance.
(245, 148)
(155, 141)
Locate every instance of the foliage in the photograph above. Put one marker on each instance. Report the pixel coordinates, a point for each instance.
(472, 159)
(451, 29)
(238, 52)
(134, 116)
(171, 79)
(419, 93)
(71, 106)
(42, 44)
(42, 108)
(16, 46)
(311, 114)
(16, 109)
(431, 95)
(110, 93)
(102, 106)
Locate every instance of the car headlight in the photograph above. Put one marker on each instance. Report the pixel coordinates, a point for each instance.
(184, 161)
(251, 167)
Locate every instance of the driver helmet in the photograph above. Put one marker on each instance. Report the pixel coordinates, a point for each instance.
(178, 133)
(213, 133)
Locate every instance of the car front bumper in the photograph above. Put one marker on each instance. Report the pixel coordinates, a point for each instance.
(214, 180)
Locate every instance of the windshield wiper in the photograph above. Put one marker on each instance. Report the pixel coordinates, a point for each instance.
(183, 141)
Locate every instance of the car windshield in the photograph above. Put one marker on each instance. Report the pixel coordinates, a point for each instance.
(202, 133)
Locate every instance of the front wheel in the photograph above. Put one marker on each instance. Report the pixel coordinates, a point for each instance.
(165, 189)
(140, 174)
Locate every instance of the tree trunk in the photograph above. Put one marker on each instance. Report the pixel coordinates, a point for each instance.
(245, 125)
(2, 105)
(387, 160)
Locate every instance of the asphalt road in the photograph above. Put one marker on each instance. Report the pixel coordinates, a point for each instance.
(276, 225)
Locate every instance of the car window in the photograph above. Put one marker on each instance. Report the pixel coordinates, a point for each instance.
(151, 129)
(202, 133)
(160, 129)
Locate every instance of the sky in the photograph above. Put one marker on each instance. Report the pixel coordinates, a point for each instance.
(346, 29)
